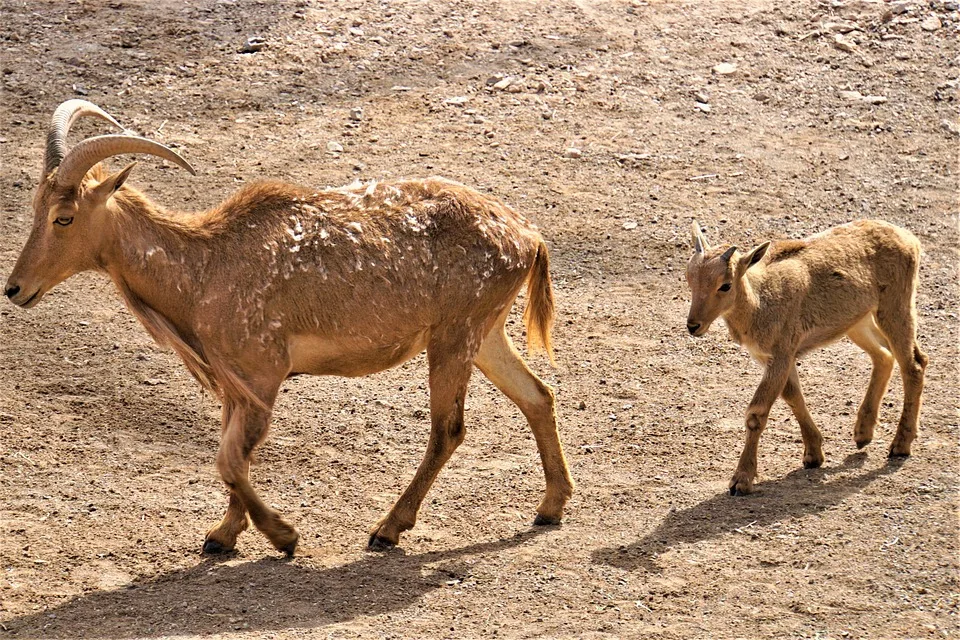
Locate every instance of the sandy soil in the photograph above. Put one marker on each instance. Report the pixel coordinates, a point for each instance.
(107, 481)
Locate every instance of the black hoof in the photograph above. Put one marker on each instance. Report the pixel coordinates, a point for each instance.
(376, 543)
(898, 456)
(736, 492)
(544, 521)
(813, 464)
(290, 548)
(862, 443)
(214, 548)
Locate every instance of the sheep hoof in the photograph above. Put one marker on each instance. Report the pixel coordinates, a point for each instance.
(213, 548)
(289, 548)
(741, 484)
(545, 521)
(862, 443)
(813, 463)
(377, 543)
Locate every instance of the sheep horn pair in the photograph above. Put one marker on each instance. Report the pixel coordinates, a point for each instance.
(72, 166)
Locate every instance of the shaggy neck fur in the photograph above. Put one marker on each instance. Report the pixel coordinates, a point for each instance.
(158, 262)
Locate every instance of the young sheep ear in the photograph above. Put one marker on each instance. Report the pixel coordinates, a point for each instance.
(699, 242)
(753, 257)
(110, 185)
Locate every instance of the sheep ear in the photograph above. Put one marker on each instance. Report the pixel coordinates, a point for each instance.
(753, 257)
(699, 242)
(111, 183)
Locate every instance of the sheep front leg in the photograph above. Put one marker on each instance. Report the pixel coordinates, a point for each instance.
(450, 371)
(774, 379)
(222, 537)
(244, 428)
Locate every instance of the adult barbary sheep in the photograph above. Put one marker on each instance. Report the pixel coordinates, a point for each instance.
(280, 280)
(782, 300)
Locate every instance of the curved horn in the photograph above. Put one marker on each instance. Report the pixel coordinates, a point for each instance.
(63, 118)
(92, 150)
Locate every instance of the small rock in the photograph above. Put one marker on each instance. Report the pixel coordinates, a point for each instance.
(851, 96)
(898, 8)
(725, 69)
(630, 225)
(702, 106)
(334, 147)
(503, 84)
(875, 99)
(841, 27)
(547, 115)
(356, 114)
(844, 156)
(572, 152)
(253, 44)
(844, 44)
(355, 31)
(399, 87)
(762, 97)
(458, 101)
(153, 382)
(702, 96)
(582, 405)
(931, 23)
(950, 127)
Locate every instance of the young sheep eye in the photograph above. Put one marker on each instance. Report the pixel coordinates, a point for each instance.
(63, 221)
(725, 286)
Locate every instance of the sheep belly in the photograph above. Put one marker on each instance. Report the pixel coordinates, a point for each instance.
(318, 355)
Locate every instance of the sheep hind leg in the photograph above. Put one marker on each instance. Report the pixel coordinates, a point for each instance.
(867, 335)
(450, 367)
(812, 440)
(244, 428)
(897, 319)
(502, 365)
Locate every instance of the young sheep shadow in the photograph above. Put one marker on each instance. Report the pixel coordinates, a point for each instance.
(269, 594)
(799, 493)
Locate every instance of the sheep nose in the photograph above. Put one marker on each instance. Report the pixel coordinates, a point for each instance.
(11, 290)
(692, 327)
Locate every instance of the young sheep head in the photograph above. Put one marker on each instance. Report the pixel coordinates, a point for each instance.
(71, 208)
(715, 277)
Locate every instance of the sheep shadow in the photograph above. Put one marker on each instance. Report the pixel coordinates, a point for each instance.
(798, 493)
(217, 596)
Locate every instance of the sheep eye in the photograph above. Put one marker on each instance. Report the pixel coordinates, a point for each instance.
(64, 221)
(725, 286)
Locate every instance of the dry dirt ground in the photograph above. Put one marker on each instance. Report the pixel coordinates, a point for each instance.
(107, 478)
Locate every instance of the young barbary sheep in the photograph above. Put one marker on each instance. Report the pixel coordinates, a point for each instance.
(781, 300)
(281, 280)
